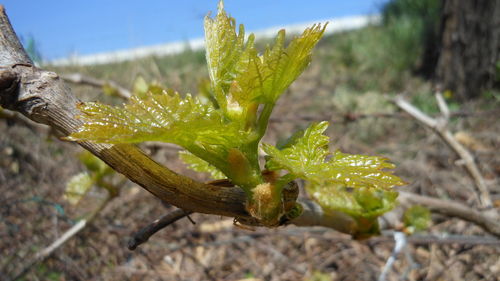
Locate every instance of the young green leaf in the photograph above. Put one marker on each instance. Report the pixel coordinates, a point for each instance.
(354, 184)
(360, 171)
(268, 76)
(188, 122)
(242, 79)
(200, 165)
(77, 186)
(157, 117)
(356, 202)
(224, 49)
(306, 158)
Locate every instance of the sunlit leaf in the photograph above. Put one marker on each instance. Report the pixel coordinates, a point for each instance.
(241, 77)
(357, 185)
(224, 48)
(360, 171)
(306, 158)
(188, 122)
(267, 76)
(199, 165)
(165, 117)
(77, 187)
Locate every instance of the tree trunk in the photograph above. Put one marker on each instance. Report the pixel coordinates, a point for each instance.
(470, 47)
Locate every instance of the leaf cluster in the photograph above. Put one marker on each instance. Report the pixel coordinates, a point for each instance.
(221, 130)
(357, 185)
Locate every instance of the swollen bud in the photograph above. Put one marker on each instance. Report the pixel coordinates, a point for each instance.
(266, 204)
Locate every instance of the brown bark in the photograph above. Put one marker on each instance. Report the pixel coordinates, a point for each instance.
(470, 47)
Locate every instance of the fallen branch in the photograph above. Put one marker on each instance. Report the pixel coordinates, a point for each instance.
(79, 78)
(319, 234)
(21, 119)
(453, 209)
(400, 245)
(354, 117)
(439, 126)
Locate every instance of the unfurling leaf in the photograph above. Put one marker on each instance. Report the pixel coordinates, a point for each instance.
(223, 136)
(225, 50)
(77, 187)
(241, 78)
(269, 75)
(164, 117)
(199, 165)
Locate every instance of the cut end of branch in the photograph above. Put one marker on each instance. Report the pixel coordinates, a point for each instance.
(6, 78)
(8, 85)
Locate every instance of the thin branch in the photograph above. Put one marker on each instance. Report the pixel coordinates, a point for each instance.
(440, 129)
(401, 244)
(47, 252)
(443, 107)
(79, 78)
(449, 208)
(21, 119)
(354, 117)
(319, 234)
(145, 233)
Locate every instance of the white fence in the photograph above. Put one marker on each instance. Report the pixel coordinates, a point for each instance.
(335, 25)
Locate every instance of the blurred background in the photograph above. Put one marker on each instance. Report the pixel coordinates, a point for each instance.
(90, 27)
(374, 50)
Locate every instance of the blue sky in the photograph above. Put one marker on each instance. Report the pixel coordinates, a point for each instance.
(61, 28)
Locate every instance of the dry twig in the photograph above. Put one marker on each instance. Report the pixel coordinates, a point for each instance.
(439, 126)
(454, 209)
(79, 78)
(19, 118)
(145, 233)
